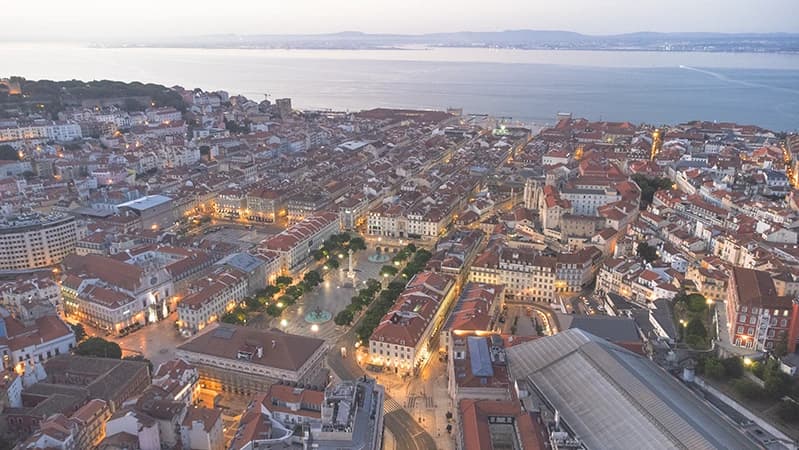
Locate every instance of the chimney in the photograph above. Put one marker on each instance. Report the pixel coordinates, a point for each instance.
(274, 344)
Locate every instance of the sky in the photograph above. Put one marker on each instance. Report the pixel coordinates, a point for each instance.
(103, 19)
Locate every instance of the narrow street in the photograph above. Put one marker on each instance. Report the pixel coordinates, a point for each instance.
(407, 434)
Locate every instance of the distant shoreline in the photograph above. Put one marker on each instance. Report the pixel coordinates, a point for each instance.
(508, 39)
(433, 47)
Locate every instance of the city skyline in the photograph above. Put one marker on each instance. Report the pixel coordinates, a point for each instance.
(374, 225)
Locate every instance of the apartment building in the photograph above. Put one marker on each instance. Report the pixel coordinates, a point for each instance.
(29, 296)
(29, 343)
(402, 339)
(295, 244)
(210, 297)
(32, 240)
(529, 275)
(41, 129)
(476, 310)
(759, 318)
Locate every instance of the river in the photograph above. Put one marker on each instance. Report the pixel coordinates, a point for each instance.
(528, 85)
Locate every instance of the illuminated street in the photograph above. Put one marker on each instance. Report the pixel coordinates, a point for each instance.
(405, 430)
(156, 342)
(332, 295)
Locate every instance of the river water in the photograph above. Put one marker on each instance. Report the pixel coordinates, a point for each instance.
(529, 85)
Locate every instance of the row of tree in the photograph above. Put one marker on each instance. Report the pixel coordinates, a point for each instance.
(777, 385)
(336, 248)
(694, 310)
(50, 97)
(264, 300)
(650, 185)
(390, 294)
(358, 302)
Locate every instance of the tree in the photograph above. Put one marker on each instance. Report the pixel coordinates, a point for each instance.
(236, 317)
(696, 303)
(344, 317)
(295, 291)
(647, 252)
(253, 303)
(269, 291)
(7, 153)
(649, 186)
(747, 388)
(273, 310)
(733, 366)
(388, 271)
(357, 243)
(313, 278)
(283, 281)
(696, 328)
(775, 383)
(287, 300)
(131, 104)
(333, 263)
(96, 346)
(372, 285)
(235, 127)
(80, 332)
(714, 369)
(788, 411)
(781, 349)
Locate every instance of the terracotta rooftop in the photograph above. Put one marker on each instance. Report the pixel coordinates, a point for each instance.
(475, 424)
(280, 350)
(207, 416)
(756, 288)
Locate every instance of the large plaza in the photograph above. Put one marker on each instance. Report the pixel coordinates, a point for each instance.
(331, 296)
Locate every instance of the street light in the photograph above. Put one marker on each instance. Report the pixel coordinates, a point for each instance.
(315, 328)
(284, 323)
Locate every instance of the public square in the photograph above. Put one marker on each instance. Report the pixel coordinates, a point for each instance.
(332, 295)
(156, 341)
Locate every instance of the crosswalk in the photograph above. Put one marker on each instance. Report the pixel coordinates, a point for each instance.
(413, 401)
(327, 331)
(390, 405)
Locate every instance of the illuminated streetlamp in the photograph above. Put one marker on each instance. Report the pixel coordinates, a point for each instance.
(315, 328)
(284, 323)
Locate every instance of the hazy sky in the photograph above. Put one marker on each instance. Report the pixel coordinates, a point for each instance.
(95, 19)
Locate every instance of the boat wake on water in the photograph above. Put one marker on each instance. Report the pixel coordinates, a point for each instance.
(727, 79)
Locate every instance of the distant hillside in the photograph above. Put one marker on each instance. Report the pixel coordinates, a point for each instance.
(523, 39)
(49, 97)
